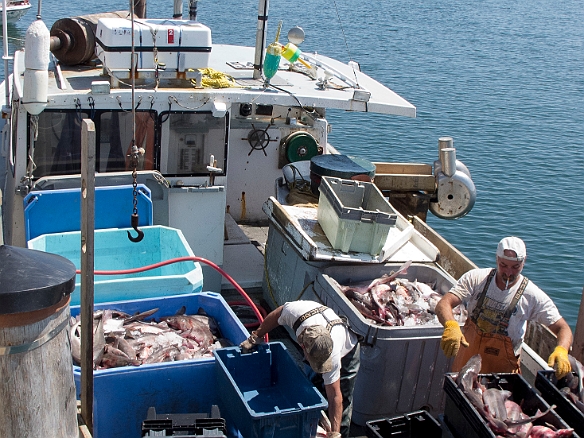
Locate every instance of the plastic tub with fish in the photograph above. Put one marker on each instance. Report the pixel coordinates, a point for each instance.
(464, 420)
(122, 395)
(402, 367)
(567, 396)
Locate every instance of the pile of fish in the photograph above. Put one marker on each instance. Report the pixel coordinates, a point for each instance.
(572, 386)
(504, 416)
(393, 301)
(120, 339)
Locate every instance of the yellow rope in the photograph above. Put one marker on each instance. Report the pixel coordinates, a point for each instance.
(215, 79)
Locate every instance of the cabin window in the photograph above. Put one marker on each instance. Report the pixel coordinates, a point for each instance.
(58, 146)
(57, 149)
(192, 138)
(115, 140)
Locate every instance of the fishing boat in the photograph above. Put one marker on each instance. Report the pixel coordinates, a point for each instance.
(214, 137)
(15, 9)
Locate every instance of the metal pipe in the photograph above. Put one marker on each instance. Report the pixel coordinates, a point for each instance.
(445, 142)
(178, 10)
(260, 45)
(133, 71)
(448, 160)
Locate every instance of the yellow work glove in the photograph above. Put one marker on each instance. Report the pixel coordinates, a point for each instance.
(560, 362)
(452, 338)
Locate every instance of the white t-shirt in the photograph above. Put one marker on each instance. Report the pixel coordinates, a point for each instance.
(343, 339)
(534, 304)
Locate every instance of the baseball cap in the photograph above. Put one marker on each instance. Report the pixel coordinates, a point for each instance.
(318, 346)
(514, 244)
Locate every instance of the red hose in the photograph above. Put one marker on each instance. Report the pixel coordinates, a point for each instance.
(239, 289)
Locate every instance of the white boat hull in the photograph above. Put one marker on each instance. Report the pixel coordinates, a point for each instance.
(15, 12)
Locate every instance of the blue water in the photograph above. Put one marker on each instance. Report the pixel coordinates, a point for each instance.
(504, 79)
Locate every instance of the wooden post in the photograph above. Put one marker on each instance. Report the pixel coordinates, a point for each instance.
(578, 344)
(37, 394)
(87, 268)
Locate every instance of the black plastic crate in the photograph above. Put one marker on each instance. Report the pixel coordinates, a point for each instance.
(184, 425)
(418, 424)
(546, 383)
(463, 419)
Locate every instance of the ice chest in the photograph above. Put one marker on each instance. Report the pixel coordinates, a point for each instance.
(463, 419)
(413, 425)
(58, 211)
(114, 251)
(402, 368)
(123, 395)
(545, 383)
(177, 44)
(264, 394)
(354, 215)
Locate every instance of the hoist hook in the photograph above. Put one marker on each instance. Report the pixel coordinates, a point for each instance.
(140, 235)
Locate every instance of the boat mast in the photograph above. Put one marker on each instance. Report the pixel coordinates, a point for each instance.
(262, 29)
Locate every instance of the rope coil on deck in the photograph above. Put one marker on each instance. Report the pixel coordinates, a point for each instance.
(215, 79)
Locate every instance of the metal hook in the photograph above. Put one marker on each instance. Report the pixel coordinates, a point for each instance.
(140, 235)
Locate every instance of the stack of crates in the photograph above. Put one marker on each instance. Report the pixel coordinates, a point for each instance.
(185, 425)
(412, 425)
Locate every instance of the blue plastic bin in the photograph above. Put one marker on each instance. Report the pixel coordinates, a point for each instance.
(113, 251)
(123, 395)
(59, 211)
(264, 394)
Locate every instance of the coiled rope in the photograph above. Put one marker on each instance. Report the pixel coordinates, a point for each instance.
(215, 79)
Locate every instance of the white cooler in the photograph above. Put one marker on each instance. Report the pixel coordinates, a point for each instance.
(177, 44)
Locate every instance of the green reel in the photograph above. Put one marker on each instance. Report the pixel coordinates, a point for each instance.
(300, 146)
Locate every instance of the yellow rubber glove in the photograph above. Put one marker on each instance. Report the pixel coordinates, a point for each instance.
(560, 362)
(452, 338)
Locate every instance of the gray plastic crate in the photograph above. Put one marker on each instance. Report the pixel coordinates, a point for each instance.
(354, 215)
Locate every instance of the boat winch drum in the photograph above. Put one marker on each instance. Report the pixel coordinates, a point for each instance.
(339, 166)
(300, 146)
